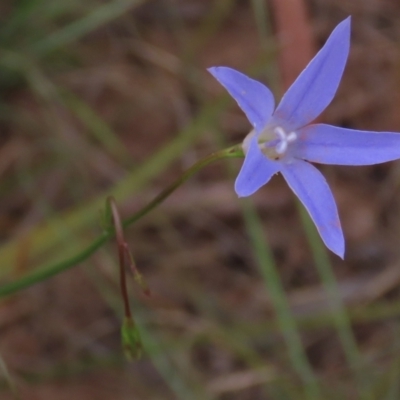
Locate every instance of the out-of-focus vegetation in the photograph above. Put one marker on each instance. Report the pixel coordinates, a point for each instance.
(113, 97)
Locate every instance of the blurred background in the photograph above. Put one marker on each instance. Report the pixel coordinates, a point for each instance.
(112, 97)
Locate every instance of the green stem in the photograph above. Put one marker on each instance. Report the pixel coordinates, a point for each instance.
(54, 269)
(231, 152)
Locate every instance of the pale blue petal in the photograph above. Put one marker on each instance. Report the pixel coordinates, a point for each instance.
(256, 171)
(328, 144)
(255, 99)
(313, 191)
(316, 86)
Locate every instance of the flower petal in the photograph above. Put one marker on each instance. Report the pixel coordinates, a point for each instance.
(315, 87)
(328, 144)
(256, 171)
(255, 99)
(313, 191)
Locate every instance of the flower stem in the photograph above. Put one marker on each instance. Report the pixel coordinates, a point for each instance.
(232, 152)
(121, 245)
(55, 268)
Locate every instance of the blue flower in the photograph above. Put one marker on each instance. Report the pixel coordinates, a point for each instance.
(284, 140)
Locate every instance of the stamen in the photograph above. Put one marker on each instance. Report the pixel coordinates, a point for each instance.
(281, 147)
(280, 132)
(284, 139)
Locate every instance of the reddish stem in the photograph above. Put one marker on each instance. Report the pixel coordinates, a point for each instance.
(121, 244)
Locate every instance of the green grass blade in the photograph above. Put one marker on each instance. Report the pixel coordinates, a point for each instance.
(340, 316)
(18, 17)
(286, 321)
(79, 28)
(97, 127)
(394, 387)
(262, 20)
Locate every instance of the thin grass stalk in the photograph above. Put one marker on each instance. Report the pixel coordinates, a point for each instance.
(286, 320)
(340, 316)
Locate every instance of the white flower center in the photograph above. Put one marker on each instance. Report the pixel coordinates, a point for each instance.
(284, 140)
(274, 142)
